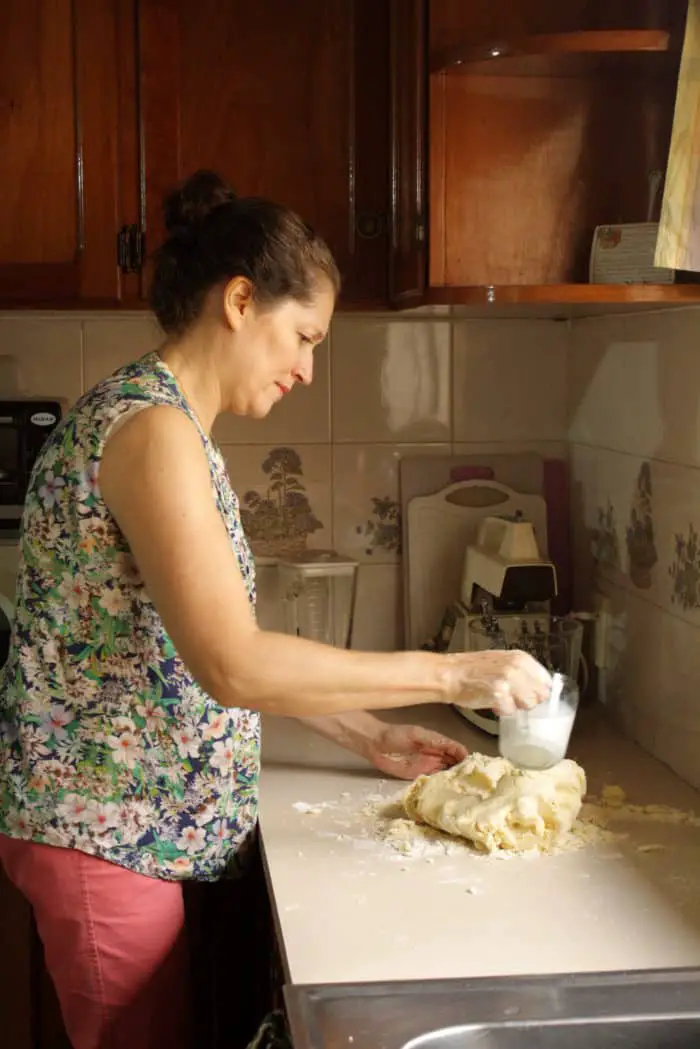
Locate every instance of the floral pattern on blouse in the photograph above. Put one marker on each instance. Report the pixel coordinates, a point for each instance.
(107, 743)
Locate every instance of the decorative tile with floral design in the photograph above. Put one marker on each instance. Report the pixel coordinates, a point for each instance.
(605, 545)
(383, 529)
(641, 547)
(367, 508)
(685, 570)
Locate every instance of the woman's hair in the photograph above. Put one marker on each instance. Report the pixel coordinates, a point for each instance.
(213, 236)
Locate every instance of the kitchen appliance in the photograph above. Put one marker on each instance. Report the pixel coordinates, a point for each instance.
(507, 588)
(440, 528)
(24, 427)
(318, 589)
(9, 563)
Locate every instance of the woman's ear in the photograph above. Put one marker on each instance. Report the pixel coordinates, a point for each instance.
(238, 298)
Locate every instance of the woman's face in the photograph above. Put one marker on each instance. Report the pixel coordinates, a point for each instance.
(273, 347)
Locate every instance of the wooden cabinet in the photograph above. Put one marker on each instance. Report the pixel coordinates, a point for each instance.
(287, 101)
(408, 258)
(450, 152)
(105, 106)
(59, 164)
(545, 120)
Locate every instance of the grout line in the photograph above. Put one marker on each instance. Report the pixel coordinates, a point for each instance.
(631, 591)
(654, 312)
(634, 455)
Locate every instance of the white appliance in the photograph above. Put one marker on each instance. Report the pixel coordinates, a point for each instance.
(440, 527)
(507, 588)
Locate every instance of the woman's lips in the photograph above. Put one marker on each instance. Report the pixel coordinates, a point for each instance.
(282, 387)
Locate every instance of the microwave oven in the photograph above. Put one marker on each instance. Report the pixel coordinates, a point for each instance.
(24, 427)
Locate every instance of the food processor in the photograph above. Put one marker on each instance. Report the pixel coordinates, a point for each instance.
(507, 589)
(318, 589)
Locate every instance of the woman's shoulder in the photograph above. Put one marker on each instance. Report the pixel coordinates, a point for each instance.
(141, 379)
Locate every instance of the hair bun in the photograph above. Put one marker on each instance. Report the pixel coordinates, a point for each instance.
(188, 205)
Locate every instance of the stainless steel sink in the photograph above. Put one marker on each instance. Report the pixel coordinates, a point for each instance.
(620, 1034)
(644, 1010)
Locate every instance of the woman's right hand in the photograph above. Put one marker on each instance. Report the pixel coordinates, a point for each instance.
(504, 680)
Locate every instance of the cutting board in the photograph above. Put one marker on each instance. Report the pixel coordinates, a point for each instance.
(439, 528)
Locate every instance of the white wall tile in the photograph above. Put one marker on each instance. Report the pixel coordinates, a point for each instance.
(378, 609)
(40, 357)
(114, 341)
(391, 380)
(510, 380)
(635, 384)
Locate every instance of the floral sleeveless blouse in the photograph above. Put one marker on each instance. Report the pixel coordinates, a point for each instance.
(107, 743)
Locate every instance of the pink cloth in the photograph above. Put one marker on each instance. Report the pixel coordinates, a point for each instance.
(114, 943)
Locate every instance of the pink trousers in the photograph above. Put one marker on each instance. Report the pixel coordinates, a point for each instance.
(114, 943)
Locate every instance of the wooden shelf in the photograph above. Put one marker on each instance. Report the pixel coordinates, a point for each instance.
(563, 54)
(567, 294)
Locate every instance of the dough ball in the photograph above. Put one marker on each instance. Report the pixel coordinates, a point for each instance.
(497, 806)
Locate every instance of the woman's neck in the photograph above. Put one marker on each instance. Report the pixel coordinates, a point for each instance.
(196, 377)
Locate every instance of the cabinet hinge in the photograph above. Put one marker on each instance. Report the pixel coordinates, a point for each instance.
(131, 247)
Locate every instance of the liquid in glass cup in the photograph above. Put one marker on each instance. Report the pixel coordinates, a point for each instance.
(539, 738)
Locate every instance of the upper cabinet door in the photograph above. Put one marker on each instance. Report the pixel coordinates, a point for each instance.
(408, 250)
(284, 100)
(59, 169)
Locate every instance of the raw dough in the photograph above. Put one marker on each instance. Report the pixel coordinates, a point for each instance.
(498, 806)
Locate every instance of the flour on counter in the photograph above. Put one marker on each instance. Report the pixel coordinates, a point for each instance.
(311, 810)
(376, 824)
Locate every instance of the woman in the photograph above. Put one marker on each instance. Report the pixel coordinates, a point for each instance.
(131, 698)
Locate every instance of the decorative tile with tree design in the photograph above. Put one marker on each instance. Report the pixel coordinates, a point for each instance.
(279, 520)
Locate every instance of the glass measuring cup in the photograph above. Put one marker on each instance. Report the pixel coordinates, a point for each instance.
(539, 738)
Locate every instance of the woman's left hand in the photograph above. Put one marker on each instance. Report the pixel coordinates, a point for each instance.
(408, 751)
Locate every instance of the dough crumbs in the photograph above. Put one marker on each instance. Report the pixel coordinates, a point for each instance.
(379, 824)
(612, 806)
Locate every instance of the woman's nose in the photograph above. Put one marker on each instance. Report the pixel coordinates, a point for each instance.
(304, 373)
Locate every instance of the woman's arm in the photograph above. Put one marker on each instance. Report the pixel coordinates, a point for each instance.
(155, 480)
(357, 730)
(403, 751)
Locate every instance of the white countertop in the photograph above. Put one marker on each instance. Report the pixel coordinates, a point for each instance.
(352, 909)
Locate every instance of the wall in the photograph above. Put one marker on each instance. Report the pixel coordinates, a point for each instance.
(322, 469)
(386, 385)
(635, 448)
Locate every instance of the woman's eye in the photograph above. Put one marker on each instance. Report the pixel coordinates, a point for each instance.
(305, 338)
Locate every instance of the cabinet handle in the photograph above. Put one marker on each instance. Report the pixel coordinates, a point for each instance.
(131, 245)
(370, 225)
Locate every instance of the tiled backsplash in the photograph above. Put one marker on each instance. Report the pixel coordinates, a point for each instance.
(635, 448)
(322, 469)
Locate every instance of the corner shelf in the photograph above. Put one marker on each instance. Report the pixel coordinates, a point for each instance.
(563, 54)
(566, 294)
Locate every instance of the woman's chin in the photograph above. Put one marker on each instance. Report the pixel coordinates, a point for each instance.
(261, 407)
